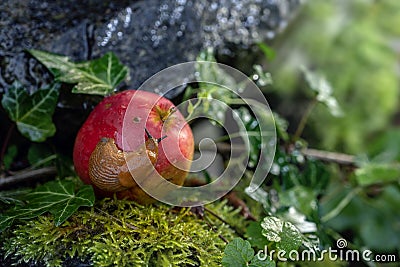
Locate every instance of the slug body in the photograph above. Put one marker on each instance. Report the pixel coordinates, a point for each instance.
(108, 166)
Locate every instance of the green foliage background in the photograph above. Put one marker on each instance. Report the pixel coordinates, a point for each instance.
(351, 43)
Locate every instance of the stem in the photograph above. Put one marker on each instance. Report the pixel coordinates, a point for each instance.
(43, 161)
(340, 158)
(343, 203)
(337, 236)
(303, 120)
(28, 176)
(5, 144)
(215, 231)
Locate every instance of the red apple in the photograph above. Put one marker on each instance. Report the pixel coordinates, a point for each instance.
(123, 118)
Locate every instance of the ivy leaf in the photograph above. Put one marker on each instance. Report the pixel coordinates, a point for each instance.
(320, 85)
(32, 113)
(9, 197)
(97, 77)
(285, 234)
(237, 253)
(57, 197)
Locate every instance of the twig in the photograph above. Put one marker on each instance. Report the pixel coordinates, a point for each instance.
(304, 119)
(340, 158)
(215, 231)
(223, 148)
(28, 176)
(224, 221)
(238, 203)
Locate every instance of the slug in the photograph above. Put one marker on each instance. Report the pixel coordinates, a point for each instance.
(108, 165)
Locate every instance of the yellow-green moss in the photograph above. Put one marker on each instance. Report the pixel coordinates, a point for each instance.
(122, 233)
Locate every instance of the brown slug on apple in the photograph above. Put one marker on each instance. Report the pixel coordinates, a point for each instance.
(108, 166)
(102, 155)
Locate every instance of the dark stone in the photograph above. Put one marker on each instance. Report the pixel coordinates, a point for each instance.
(146, 35)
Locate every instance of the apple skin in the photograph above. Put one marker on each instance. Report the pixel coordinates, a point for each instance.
(107, 120)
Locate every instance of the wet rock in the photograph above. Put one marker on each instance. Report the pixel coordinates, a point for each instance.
(147, 35)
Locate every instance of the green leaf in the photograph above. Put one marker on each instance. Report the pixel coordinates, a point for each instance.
(320, 85)
(282, 126)
(285, 234)
(256, 262)
(97, 77)
(11, 153)
(32, 113)
(237, 253)
(377, 173)
(268, 51)
(214, 77)
(254, 235)
(40, 155)
(9, 197)
(302, 198)
(190, 107)
(57, 197)
(210, 106)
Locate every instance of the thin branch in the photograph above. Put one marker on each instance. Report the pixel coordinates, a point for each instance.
(304, 119)
(222, 148)
(340, 158)
(238, 203)
(215, 231)
(28, 176)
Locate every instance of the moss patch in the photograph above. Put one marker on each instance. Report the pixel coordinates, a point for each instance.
(122, 233)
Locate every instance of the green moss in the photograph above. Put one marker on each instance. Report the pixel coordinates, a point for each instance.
(122, 233)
